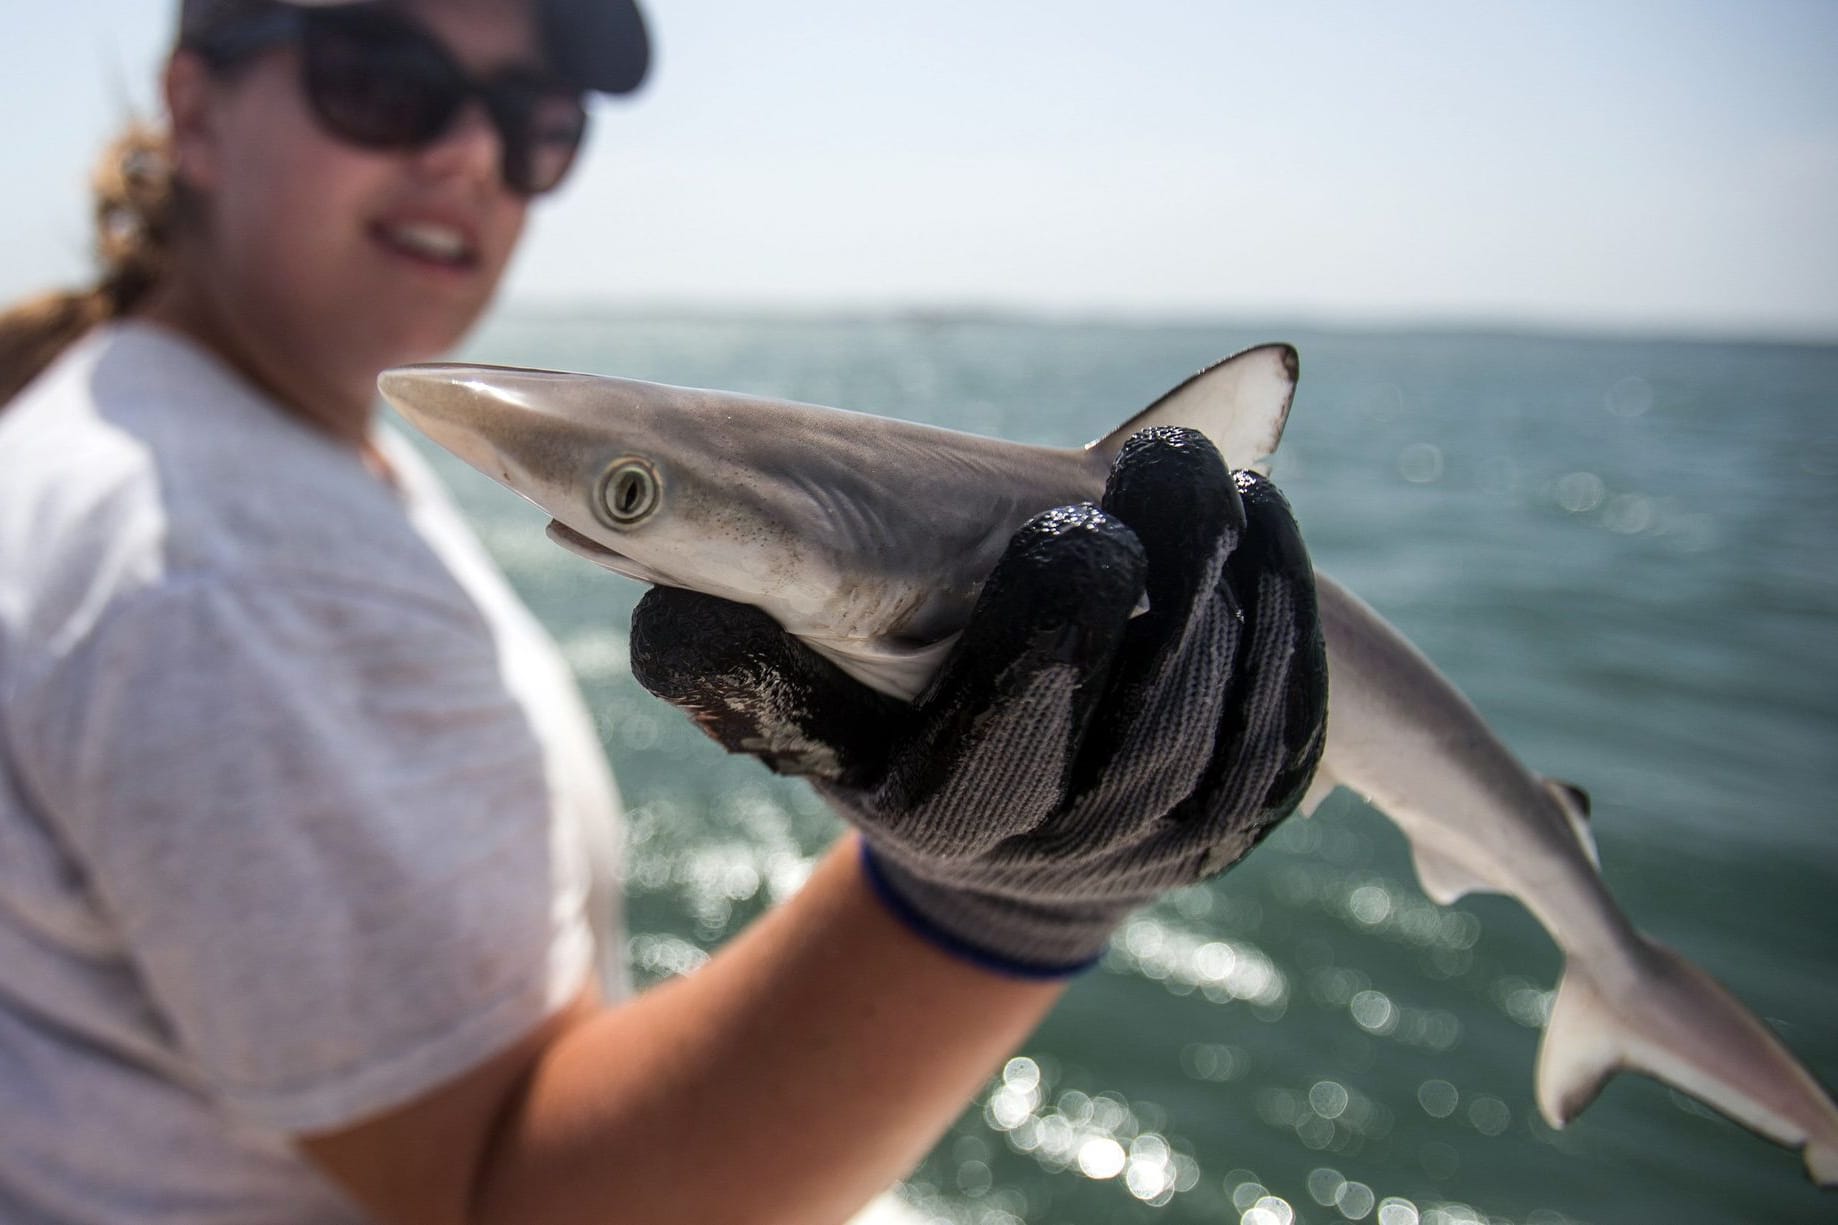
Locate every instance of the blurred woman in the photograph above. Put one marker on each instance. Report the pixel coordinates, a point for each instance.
(302, 825)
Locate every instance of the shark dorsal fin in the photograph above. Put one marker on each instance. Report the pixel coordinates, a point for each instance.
(1240, 403)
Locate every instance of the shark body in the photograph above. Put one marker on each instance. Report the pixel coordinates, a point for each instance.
(869, 539)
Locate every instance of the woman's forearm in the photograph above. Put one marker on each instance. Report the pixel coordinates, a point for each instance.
(808, 1065)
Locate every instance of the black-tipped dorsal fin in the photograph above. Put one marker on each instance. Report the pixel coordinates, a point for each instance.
(1578, 799)
(1240, 403)
(1573, 801)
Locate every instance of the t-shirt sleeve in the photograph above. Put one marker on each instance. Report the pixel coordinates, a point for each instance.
(321, 824)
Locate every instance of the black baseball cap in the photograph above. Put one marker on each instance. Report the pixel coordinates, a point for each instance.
(597, 44)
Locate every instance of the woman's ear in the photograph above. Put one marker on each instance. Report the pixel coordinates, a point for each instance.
(190, 98)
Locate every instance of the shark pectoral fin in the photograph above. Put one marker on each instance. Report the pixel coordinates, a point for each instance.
(1319, 788)
(1240, 403)
(1574, 802)
(1822, 1163)
(895, 669)
(1444, 880)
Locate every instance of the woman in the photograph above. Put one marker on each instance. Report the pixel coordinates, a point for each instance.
(298, 807)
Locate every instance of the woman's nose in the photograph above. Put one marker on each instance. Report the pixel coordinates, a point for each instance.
(470, 146)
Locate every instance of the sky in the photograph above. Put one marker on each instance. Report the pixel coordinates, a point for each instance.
(1631, 165)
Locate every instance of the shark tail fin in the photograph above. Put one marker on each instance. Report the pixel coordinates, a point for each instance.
(1670, 1020)
(1241, 404)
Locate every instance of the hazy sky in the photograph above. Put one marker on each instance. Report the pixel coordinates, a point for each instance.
(1634, 163)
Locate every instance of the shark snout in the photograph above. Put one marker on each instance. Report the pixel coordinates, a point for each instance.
(513, 425)
(454, 408)
(560, 440)
(413, 389)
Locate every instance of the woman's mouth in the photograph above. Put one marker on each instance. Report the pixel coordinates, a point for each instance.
(429, 242)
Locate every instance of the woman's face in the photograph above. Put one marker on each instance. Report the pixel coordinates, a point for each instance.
(342, 258)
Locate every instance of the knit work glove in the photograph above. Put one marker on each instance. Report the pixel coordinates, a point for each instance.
(1070, 761)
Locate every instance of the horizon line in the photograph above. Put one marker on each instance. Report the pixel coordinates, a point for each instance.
(947, 313)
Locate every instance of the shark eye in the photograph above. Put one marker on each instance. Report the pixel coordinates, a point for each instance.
(628, 493)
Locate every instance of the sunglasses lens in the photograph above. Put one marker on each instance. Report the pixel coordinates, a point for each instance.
(378, 83)
(542, 127)
(375, 80)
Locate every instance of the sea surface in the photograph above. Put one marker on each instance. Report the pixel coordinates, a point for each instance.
(1625, 551)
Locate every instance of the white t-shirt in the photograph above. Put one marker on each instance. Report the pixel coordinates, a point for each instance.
(300, 811)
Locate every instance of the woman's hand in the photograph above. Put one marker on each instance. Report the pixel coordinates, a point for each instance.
(1072, 760)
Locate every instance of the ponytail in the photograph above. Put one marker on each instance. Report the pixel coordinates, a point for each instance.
(133, 193)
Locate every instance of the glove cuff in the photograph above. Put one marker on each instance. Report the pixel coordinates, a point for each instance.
(1001, 935)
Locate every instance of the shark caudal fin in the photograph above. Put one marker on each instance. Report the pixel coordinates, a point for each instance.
(1665, 1017)
(1240, 404)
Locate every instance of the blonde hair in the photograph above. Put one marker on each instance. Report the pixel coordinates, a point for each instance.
(133, 193)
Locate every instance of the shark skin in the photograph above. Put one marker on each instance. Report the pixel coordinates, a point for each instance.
(869, 538)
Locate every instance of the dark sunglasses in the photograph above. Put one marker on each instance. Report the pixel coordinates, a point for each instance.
(377, 79)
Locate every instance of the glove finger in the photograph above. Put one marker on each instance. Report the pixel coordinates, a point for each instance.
(1174, 490)
(755, 689)
(997, 730)
(1172, 487)
(1062, 593)
(1274, 723)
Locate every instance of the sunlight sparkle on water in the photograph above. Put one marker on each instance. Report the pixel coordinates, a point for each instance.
(1374, 1012)
(1522, 1001)
(1101, 1157)
(1221, 970)
(1328, 1099)
(1420, 463)
(1100, 1136)
(1355, 1200)
(1269, 1210)
(1370, 904)
(1213, 1061)
(1324, 1184)
(1580, 492)
(1378, 1014)
(1490, 1115)
(1629, 514)
(1438, 1098)
(1247, 1190)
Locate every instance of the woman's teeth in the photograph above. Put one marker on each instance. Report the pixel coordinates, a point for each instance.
(430, 240)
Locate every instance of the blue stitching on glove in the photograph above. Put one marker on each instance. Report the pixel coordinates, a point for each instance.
(955, 946)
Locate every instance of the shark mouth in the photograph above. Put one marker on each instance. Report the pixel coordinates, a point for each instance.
(600, 555)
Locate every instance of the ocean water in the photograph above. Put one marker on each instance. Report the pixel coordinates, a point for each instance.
(1624, 551)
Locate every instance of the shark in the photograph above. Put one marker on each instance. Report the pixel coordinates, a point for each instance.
(869, 538)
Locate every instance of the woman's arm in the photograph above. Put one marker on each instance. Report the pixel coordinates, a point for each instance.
(810, 1064)
(1069, 763)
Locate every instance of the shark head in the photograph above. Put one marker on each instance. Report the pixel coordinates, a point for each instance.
(634, 475)
(867, 537)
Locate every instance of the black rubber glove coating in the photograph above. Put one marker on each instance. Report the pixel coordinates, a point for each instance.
(1070, 761)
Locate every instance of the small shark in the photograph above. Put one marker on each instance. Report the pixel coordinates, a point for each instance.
(869, 539)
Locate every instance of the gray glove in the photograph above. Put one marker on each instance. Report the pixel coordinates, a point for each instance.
(1070, 762)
